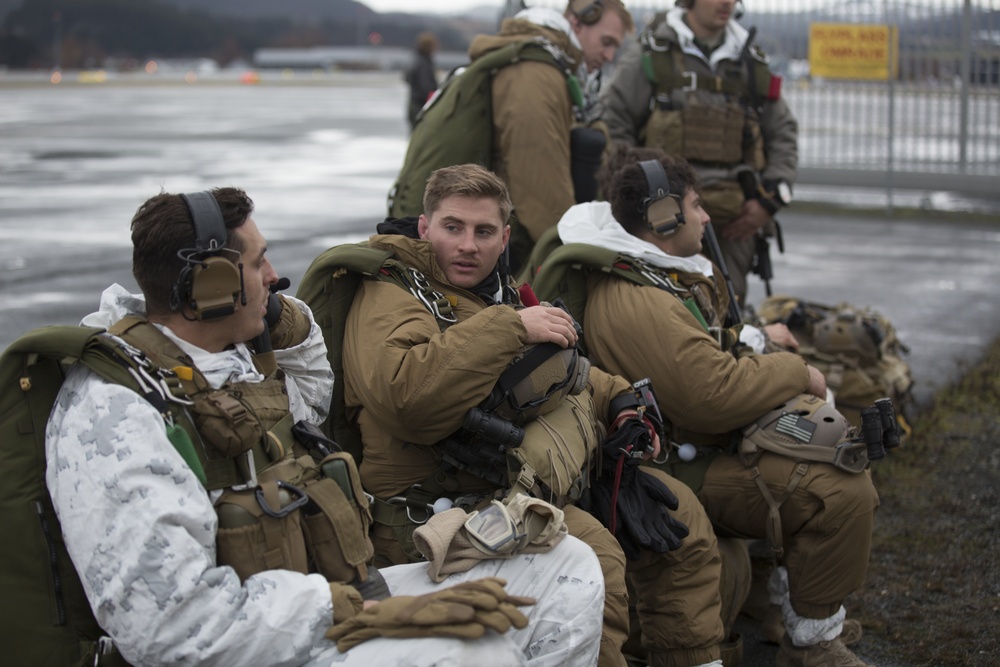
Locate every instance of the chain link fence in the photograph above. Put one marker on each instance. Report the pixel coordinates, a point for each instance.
(934, 125)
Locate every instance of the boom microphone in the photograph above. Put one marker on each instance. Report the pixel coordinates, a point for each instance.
(283, 283)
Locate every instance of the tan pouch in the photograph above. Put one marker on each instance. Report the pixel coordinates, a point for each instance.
(225, 423)
(559, 447)
(251, 540)
(337, 521)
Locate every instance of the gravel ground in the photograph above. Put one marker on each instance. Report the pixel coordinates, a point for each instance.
(932, 595)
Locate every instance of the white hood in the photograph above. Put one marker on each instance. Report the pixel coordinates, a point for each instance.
(232, 365)
(592, 223)
(549, 18)
(308, 376)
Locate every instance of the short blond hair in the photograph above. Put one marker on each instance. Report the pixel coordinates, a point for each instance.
(466, 180)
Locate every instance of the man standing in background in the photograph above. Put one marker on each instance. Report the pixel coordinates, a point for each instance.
(697, 88)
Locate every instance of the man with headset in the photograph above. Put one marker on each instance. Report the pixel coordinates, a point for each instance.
(137, 515)
(545, 130)
(661, 312)
(697, 87)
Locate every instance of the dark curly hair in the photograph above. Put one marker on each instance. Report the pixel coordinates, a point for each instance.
(623, 182)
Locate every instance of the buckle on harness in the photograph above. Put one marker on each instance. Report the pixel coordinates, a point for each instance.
(251, 483)
(103, 646)
(300, 500)
(694, 81)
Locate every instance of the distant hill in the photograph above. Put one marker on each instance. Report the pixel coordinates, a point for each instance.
(293, 10)
(90, 32)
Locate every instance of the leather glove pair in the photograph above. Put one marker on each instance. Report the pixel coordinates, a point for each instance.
(463, 611)
(632, 504)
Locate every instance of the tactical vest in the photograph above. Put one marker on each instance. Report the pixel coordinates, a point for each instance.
(456, 125)
(290, 501)
(708, 120)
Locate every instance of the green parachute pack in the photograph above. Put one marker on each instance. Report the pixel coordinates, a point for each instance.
(856, 349)
(456, 125)
(45, 619)
(328, 287)
(559, 271)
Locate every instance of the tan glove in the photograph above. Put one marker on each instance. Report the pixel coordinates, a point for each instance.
(464, 611)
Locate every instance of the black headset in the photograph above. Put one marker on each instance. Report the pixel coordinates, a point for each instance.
(662, 208)
(211, 280)
(590, 13)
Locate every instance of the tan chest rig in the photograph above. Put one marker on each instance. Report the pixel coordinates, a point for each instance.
(710, 120)
(288, 501)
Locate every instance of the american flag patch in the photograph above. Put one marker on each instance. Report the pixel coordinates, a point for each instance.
(798, 427)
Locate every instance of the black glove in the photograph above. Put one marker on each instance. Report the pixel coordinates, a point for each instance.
(645, 520)
(375, 587)
(641, 520)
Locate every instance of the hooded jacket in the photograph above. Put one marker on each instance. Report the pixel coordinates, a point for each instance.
(409, 384)
(627, 98)
(532, 120)
(638, 331)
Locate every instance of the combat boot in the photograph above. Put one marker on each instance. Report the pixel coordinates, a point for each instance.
(773, 628)
(824, 654)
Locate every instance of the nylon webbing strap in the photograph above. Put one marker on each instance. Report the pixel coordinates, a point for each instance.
(668, 70)
(774, 534)
(220, 471)
(535, 357)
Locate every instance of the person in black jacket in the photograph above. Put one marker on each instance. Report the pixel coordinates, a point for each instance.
(422, 76)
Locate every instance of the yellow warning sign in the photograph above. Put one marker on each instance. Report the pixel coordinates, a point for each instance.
(852, 51)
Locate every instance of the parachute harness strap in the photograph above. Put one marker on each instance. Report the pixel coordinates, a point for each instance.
(774, 534)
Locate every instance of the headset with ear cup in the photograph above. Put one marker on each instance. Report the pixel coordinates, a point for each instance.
(211, 279)
(590, 13)
(662, 207)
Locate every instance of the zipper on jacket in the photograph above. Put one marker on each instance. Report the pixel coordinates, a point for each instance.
(53, 564)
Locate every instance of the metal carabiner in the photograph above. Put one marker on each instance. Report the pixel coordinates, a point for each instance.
(301, 498)
(401, 500)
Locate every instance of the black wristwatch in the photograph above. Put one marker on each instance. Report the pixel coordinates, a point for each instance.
(774, 195)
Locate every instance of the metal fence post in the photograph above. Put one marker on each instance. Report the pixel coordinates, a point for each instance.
(965, 72)
(890, 135)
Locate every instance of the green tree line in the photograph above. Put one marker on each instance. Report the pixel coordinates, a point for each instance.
(85, 33)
